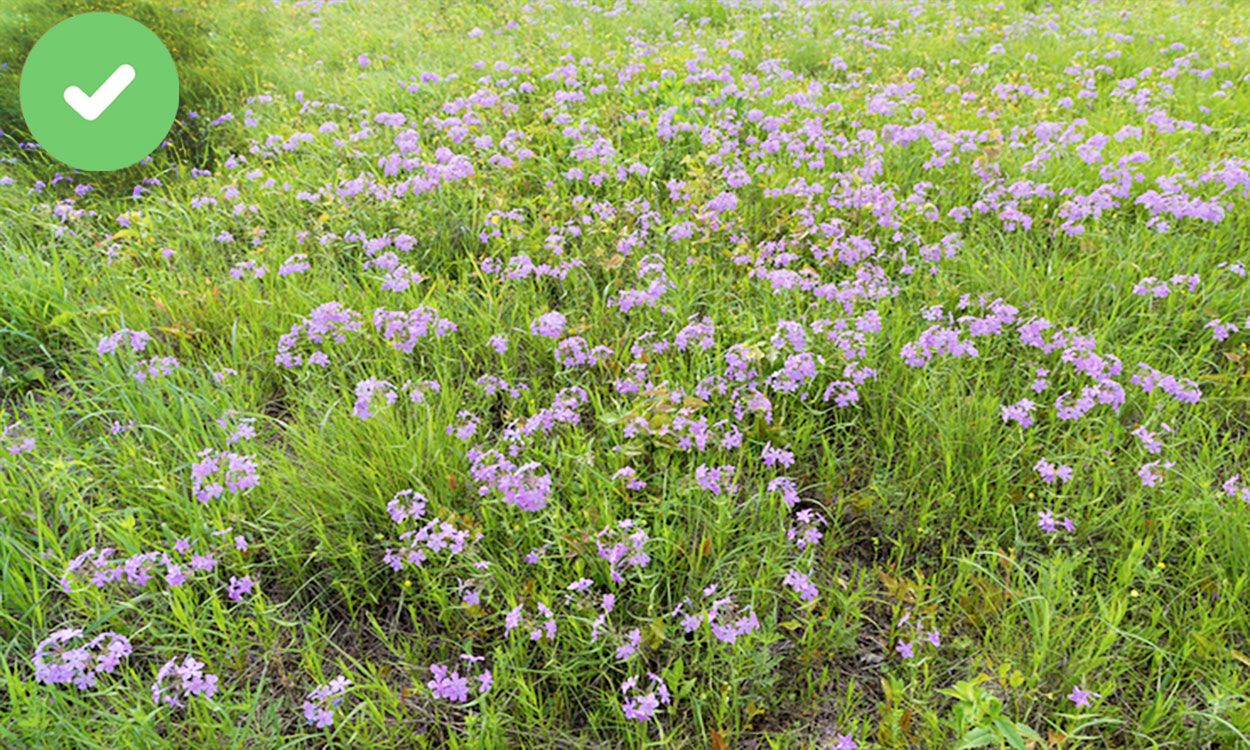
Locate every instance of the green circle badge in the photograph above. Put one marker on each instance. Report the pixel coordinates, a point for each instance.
(99, 91)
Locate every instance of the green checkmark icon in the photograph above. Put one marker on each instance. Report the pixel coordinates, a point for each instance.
(99, 91)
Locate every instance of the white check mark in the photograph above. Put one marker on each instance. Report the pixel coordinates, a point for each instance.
(91, 107)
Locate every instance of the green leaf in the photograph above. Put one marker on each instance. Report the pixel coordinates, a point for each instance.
(687, 688)
(1009, 732)
(62, 318)
(653, 635)
(676, 671)
(993, 706)
(979, 737)
(952, 693)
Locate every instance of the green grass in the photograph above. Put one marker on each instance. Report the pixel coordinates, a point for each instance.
(931, 500)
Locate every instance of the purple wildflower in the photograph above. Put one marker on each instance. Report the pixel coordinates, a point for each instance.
(184, 680)
(81, 666)
(320, 704)
(641, 706)
(549, 324)
(1081, 697)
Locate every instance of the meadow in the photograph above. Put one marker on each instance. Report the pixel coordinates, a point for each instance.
(637, 374)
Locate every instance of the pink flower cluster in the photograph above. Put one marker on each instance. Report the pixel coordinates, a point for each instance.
(176, 682)
(450, 685)
(219, 471)
(56, 663)
(639, 705)
(320, 704)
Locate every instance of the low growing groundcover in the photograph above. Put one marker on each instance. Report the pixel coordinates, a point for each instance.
(638, 374)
